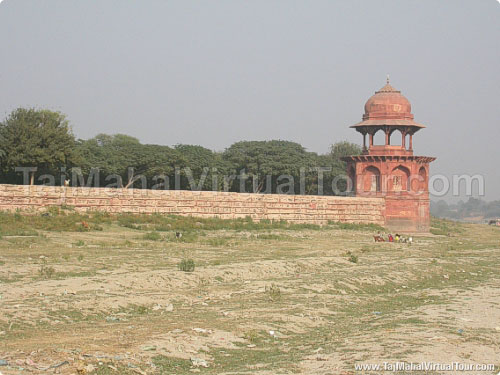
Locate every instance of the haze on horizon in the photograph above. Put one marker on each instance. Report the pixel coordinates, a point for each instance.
(214, 73)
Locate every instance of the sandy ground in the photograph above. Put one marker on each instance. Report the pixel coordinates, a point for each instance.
(118, 304)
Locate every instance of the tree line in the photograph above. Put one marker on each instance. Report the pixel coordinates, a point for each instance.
(473, 208)
(37, 144)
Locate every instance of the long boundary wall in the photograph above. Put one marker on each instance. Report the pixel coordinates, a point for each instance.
(226, 205)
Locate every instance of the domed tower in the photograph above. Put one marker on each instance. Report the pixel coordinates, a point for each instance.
(391, 170)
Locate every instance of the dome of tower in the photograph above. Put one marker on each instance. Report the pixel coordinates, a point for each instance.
(387, 103)
(388, 107)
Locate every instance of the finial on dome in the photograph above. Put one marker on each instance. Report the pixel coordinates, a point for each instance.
(387, 88)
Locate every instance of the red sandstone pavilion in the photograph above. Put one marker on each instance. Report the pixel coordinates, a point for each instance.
(392, 171)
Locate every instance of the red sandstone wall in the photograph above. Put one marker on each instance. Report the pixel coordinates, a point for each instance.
(407, 213)
(293, 208)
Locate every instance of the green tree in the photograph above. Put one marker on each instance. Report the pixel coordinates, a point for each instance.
(36, 138)
(259, 159)
(492, 210)
(124, 156)
(2, 152)
(203, 169)
(344, 148)
(336, 166)
(107, 153)
(155, 163)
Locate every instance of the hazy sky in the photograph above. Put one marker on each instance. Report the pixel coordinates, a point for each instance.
(216, 72)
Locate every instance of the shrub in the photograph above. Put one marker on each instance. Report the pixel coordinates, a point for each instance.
(354, 226)
(53, 211)
(131, 226)
(172, 365)
(445, 227)
(140, 309)
(273, 292)
(101, 217)
(365, 249)
(203, 284)
(186, 265)
(96, 227)
(353, 258)
(253, 336)
(439, 232)
(152, 236)
(186, 237)
(271, 236)
(64, 219)
(189, 223)
(218, 241)
(46, 271)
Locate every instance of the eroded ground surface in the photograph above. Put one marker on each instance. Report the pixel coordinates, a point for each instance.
(275, 301)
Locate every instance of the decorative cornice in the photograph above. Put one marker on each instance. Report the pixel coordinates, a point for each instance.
(384, 158)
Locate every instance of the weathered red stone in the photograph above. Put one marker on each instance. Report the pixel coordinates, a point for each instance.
(392, 171)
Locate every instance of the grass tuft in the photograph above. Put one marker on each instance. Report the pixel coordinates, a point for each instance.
(152, 236)
(273, 292)
(186, 265)
(46, 271)
(355, 226)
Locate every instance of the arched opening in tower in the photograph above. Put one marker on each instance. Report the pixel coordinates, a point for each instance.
(399, 179)
(379, 138)
(396, 138)
(422, 174)
(371, 179)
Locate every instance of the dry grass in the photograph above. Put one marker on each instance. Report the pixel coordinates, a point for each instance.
(115, 297)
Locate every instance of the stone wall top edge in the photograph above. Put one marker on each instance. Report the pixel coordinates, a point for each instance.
(113, 192)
